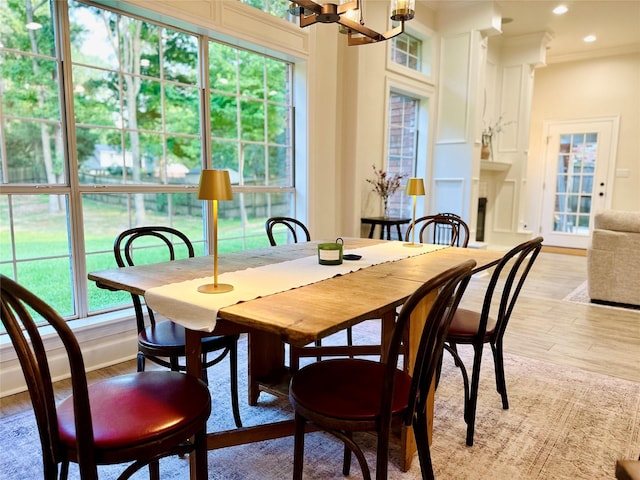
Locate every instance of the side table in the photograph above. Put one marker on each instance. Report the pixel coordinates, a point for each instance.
(385, 223)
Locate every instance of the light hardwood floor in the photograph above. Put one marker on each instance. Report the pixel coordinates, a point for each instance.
(543, 326)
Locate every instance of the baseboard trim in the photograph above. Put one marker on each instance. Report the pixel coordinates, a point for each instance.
(579, 252)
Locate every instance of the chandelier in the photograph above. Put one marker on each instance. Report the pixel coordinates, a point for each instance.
(349, 16)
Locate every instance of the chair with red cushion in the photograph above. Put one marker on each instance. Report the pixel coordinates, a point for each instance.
(346, 395)
(476, 328)
(165, 339)
(137, 418)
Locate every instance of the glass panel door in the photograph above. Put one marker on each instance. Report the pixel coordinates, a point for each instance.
(577, 173)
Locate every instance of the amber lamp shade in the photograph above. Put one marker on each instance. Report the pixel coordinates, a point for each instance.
(415, 188)
(215, 185)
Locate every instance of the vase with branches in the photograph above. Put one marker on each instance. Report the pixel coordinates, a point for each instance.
(490, 130)
(385, 185)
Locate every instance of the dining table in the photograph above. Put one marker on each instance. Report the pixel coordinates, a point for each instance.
(301, 304)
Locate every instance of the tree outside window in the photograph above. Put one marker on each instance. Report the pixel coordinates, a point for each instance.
(127, 146)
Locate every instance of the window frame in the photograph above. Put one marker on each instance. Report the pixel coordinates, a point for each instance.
(427, 73)
(74, 190)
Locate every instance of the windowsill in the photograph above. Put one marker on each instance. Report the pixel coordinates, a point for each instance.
(85, 329)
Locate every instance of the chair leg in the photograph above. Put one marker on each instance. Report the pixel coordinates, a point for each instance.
(501, 383)
(350, 339)
(346, 461)
(422, 445)
(175, 366)
(319, 344)
(64, 470)
(298, 447)
(382, 455)
(233, 374)
(141, 361)
(454, 347)
(200, 451)
(205, 370)
(154, 470)
(470, 412)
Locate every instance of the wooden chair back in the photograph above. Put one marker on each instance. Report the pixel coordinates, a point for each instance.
(436, 229)
(20, 309)
(135, 242)
(505, 285)
(463, 229)
(292, 226)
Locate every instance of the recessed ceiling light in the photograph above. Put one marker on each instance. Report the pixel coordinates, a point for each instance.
(560, 10)
(589, 38)
(33, 26)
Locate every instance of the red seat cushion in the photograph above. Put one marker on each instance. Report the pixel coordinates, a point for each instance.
(465, 323)
(347, 388)
(133, 409)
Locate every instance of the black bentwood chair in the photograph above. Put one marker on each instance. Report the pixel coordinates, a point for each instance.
(290, 226)
(347, 395)
(296, 228)
(488, 326)
(463, 229)
(441, 229)
(165, 339)
(137, 418)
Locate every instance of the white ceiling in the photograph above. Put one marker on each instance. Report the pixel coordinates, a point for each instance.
(616, 23)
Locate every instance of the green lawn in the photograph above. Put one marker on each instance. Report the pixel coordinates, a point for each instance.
(42, 247)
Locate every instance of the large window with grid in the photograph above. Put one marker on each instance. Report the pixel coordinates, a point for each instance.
(117, 137)
(402, 146)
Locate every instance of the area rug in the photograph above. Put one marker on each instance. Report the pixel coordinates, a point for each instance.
(581, 295)
(563, 423)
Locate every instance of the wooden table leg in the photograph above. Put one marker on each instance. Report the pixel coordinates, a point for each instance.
(266, 355)
(399, 232)
(371, 230)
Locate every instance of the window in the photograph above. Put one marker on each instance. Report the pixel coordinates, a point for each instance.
(402, 134)
(406, 51)
(277, 8)
(127, 145)
(412, 53)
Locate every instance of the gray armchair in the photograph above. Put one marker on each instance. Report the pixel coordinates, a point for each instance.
(613, 258)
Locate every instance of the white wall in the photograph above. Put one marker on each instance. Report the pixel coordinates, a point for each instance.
(608, 86)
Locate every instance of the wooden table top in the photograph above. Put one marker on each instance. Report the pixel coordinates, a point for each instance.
(304, 314)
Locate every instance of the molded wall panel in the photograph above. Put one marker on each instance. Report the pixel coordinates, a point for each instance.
(504, 209)
(448, 195)
(454, 88)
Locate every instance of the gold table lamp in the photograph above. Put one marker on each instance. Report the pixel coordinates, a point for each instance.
(215, 185)
(415, 187)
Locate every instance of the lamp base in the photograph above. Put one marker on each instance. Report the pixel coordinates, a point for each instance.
(414, 245)
(213, 288)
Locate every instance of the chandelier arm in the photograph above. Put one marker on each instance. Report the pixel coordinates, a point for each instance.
(378, 37)
(305, 21)
(346, 7)
(309, 5)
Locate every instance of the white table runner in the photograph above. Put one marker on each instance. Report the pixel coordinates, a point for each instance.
(182, 303)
